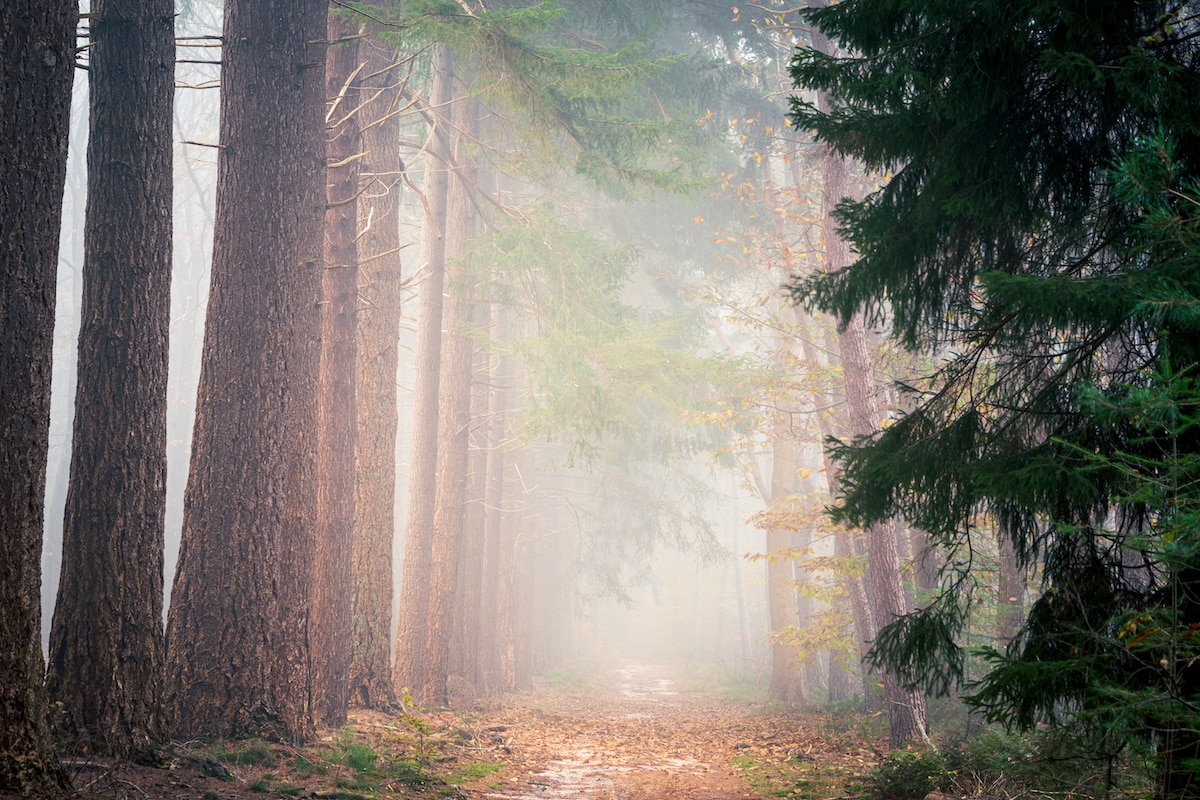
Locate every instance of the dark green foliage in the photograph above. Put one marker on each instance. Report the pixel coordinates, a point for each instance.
(1004, 765)
(905, 775)
(1036, 226)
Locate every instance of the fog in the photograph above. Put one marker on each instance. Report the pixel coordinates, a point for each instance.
(647, 548)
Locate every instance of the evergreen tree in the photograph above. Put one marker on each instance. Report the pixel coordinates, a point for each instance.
(37, 61)
(105, 663)
(1001, 236)
(238, 659)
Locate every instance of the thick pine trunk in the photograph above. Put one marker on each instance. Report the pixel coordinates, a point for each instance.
(377, 357)
(37, 61)
(106, 663)
(238, 630)
(412, 630)
(336, 421)
(454, 423)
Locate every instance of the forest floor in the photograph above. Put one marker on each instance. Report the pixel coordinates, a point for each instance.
(636, 732)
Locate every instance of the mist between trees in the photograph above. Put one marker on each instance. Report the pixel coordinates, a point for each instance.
(506, 335)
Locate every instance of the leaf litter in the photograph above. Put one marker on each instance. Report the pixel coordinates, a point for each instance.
(631, 733)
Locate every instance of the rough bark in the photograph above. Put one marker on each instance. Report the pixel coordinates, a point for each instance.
(377, 356)
(454, 423)
(411, 635)
(106, 663)
(37, 59)
(336, 421)
(238, 629)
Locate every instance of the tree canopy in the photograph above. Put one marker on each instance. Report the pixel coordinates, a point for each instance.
(1034, 229)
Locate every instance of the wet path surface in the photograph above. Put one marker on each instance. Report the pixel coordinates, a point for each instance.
(636, 737)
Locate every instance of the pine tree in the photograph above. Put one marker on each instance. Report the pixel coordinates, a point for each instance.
(238, 661)
(37, 61)
(1001, 236)
(105, 664)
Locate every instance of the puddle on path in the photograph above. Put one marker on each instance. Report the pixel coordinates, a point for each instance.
(638, 682)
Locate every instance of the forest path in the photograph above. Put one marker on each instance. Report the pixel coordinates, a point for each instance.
(636, 736)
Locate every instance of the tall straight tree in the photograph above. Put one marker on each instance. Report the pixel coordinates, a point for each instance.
(336, 421)
(454, 406)
(238, 628)
(377, 357)
(106, 664)
(889, 602)
(37, 62)
(410, 672)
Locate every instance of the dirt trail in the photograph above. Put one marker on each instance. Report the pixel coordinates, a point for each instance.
(635, 737)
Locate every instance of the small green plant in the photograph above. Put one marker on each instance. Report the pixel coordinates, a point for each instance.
(306, 766)
(472, 772)
(358, 757)
(906, 774)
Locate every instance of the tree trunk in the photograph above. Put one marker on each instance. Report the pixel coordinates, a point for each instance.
(490, 673)
(238, 629)
(454, 402)
(1010, 591)
(106, 664)
(336, 421)
(469, 612)
(786, 683)
(855, 586)
(411, 635)
(377, 357)
(37, 63)
(906, 708)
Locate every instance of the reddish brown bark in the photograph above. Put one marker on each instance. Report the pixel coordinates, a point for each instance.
(336, 421)
(238, 629)
(412, 630)
(106, 663)
(377, 356)
(37, 61)
(454, 401)
(905, 707)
